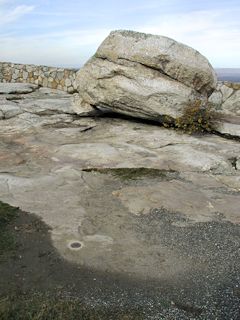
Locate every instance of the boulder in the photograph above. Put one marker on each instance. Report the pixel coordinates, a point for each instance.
(143, 76)
(174, 59)
(130, 89)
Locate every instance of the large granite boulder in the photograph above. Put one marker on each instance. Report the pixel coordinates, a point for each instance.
(166, 55)
(144, 76)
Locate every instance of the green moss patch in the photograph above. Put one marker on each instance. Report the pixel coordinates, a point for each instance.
(132, 173)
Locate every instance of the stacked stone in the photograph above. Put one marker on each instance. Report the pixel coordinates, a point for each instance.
(1, 72)
(51, 77)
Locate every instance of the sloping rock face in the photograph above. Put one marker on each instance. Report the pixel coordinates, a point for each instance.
(143, 76)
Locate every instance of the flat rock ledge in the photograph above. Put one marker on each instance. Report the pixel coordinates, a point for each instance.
(17, 88)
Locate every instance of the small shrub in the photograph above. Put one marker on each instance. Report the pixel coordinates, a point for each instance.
(198, 117)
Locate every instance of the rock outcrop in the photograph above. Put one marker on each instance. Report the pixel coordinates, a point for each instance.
(144, 76)
(145, 202)
(17, 88)
(226, 101)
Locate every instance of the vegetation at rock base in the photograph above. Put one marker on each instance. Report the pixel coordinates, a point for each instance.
(197, 117)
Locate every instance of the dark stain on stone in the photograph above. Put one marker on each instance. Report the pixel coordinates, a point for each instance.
(233, 162)
(134, 173)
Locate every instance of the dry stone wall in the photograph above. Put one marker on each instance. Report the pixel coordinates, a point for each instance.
(51, 77)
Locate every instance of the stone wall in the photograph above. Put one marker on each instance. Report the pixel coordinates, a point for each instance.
(51, 77)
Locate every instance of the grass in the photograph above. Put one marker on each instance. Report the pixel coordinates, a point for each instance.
(44, 307)
(7, 242)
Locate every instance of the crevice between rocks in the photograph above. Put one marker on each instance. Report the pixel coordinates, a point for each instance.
(111, 114)
(233, 162)
(226, 136)
(160, 123)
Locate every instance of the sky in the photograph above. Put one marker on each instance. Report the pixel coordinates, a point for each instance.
(67, 33)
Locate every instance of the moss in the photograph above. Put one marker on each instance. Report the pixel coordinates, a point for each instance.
(131, 173)
(7, 242)
(46, 307)
(7, 214)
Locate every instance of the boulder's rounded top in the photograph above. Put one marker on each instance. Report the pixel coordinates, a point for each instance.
(174, 59)
(137, 35)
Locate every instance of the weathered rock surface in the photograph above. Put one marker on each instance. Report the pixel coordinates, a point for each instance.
(226, 101)
(174, 59)
(144, 201)
(143, 76)
(17, 88)
(8, 109)
(232, 104)
(133, 90)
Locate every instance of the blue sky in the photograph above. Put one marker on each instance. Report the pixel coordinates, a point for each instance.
(67, 33)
